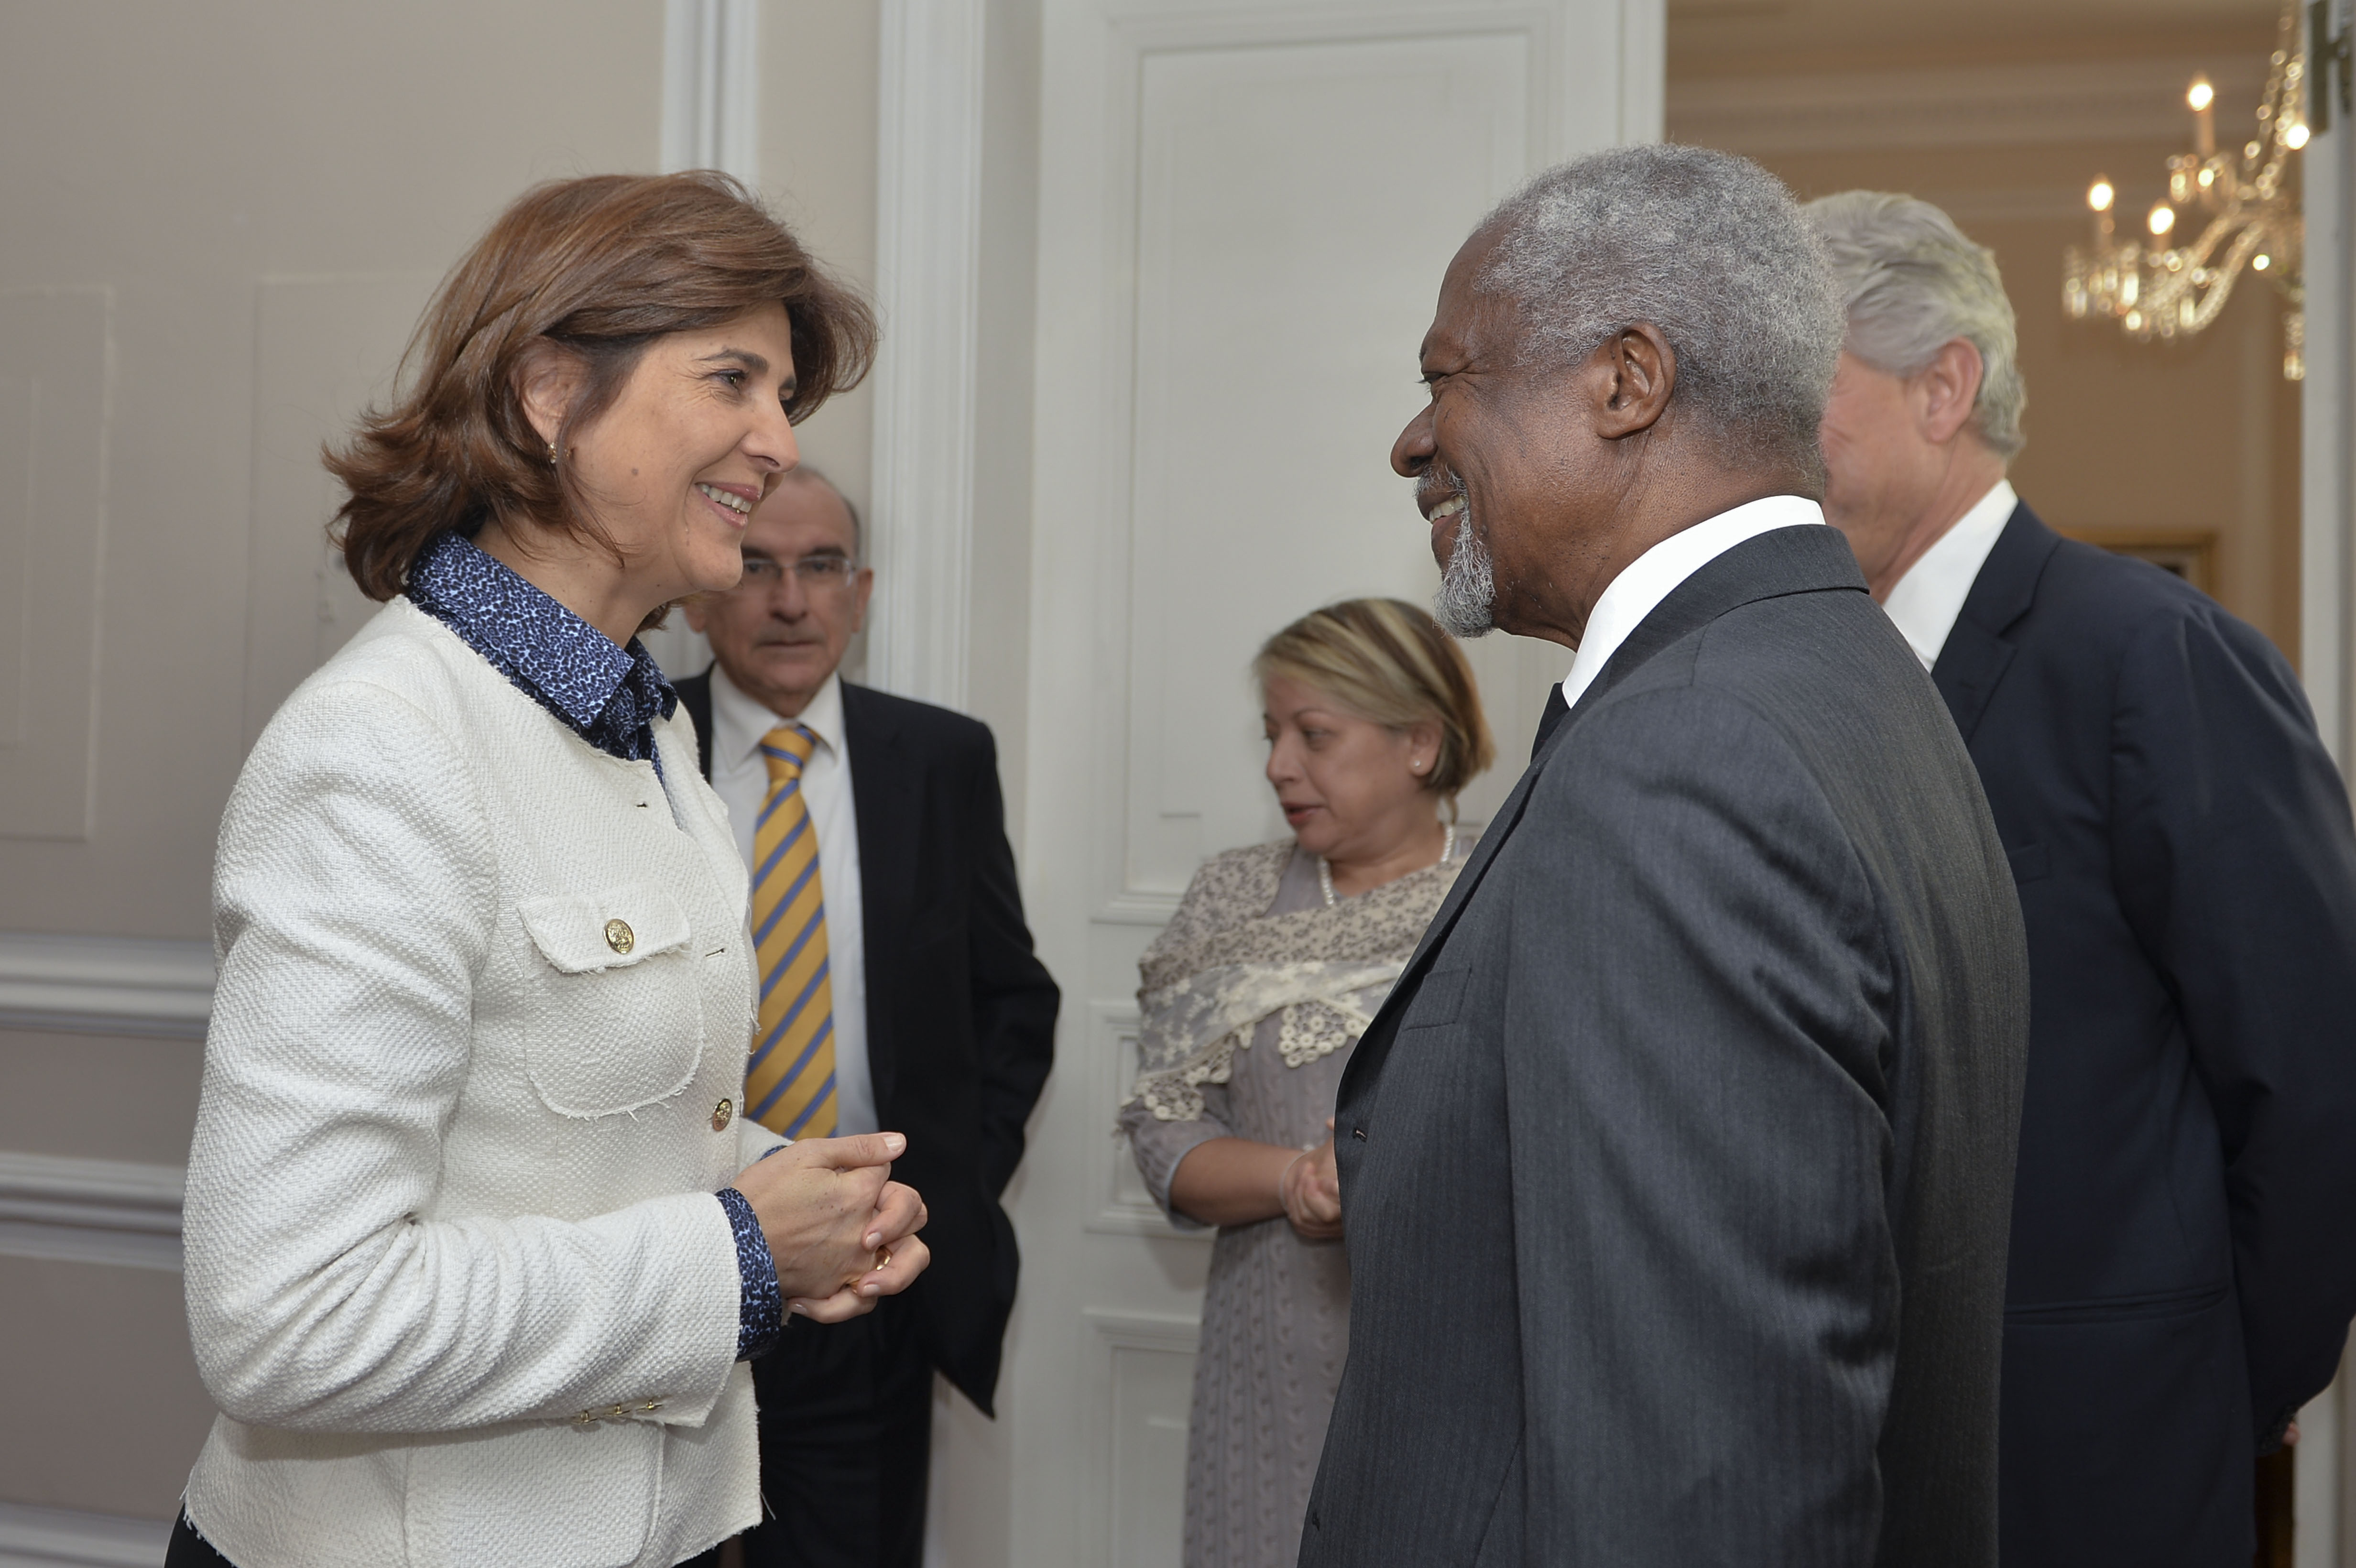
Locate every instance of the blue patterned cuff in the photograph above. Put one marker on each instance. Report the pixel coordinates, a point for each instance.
(761, 1309)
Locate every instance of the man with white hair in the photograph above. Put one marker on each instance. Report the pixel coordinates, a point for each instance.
(2182, 1269)
(1676, 1168)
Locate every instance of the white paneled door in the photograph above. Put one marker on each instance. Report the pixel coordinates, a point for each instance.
(1244, 214)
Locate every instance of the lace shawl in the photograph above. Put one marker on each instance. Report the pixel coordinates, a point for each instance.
(1223, 964)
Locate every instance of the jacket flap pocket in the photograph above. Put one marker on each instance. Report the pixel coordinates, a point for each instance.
(1436, 1001)
(579, 934)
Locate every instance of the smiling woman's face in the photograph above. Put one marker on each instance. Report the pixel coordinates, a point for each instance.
(697, 435)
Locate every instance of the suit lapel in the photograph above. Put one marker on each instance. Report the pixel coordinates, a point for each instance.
(1805, 559)
(886, 793)
(1975, 654)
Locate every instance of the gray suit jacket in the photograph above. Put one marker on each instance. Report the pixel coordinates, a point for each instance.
(1678, 1167)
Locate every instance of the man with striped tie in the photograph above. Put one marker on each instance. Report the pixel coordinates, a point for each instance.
(897, 990)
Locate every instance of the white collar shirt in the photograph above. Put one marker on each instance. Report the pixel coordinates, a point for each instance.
(741, 778)
(1653, 576)
(1926, 601)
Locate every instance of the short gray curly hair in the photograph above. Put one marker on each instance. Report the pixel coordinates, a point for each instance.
(1707, 246)
(1912, 282)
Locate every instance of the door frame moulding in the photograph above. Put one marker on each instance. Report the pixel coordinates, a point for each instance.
(2327, 1527)
(711, 120)
(712, 87)
(927, 285)
(2326, 412)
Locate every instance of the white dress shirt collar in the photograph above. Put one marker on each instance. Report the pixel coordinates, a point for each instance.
(738, 722)
(1653, 575)
(1927, 600)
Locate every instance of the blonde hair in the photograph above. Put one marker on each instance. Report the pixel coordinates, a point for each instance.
(1386, 660)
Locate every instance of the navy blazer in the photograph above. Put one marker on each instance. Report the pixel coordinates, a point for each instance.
(2182, 1273)
(960, 1014)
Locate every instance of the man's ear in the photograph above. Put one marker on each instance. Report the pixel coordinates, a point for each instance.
(547, 383)
(695, 613)
(1947, 390)
(862, 587)
(1638, 371)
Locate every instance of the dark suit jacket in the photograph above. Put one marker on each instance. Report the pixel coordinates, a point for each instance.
(960, 1016)
(2184, 1218)
(1675, 1169)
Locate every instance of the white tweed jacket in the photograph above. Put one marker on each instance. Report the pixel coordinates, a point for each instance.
(455, 1274)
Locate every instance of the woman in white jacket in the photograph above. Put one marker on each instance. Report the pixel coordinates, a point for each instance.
(477, 1240)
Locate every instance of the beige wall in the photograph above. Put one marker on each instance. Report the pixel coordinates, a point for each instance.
(239, 143)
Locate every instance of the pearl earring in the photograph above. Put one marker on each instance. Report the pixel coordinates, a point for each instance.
(551, 454)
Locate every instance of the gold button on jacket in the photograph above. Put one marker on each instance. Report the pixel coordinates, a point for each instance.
(619, 935)
(721, 1114)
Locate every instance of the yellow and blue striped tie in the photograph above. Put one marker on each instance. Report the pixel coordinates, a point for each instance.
(789, 1081)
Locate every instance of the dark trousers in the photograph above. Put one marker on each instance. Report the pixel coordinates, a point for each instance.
(846, 1438)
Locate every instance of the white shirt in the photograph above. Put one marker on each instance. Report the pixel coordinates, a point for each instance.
(1931, 595)
(1653, 575)
(741, 779)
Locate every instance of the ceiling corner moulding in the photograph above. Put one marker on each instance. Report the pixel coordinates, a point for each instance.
(710, 101)
(105, 985)
(90, 1210)
(2038, 104)
(928, 265)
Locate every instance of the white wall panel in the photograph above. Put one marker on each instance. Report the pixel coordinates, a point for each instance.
(1125, 1207)
(1297, 204)
(1146, 1388)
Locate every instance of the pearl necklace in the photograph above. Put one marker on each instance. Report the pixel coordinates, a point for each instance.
(1325, 866)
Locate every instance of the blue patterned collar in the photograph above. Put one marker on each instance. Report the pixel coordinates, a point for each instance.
(610, 697)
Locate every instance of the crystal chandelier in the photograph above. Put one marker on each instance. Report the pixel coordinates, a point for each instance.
(2156, 286)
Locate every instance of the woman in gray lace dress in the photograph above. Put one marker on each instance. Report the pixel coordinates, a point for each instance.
(1252, 998)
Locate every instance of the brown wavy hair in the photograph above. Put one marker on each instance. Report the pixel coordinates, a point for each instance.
(599, 268)
(1386, 660)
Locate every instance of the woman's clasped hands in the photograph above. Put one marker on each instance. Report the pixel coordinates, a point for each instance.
(842, 1233)
(1311, 1191)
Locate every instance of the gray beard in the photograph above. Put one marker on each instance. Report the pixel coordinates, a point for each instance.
(1468, 587)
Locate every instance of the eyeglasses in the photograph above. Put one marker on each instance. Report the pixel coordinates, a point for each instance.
(816, 572)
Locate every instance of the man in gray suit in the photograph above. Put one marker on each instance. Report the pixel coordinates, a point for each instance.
(1677, 1168)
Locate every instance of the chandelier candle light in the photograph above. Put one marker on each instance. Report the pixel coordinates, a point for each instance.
(2154, 286)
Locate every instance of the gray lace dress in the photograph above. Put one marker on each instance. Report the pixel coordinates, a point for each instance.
(1276, 1311)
